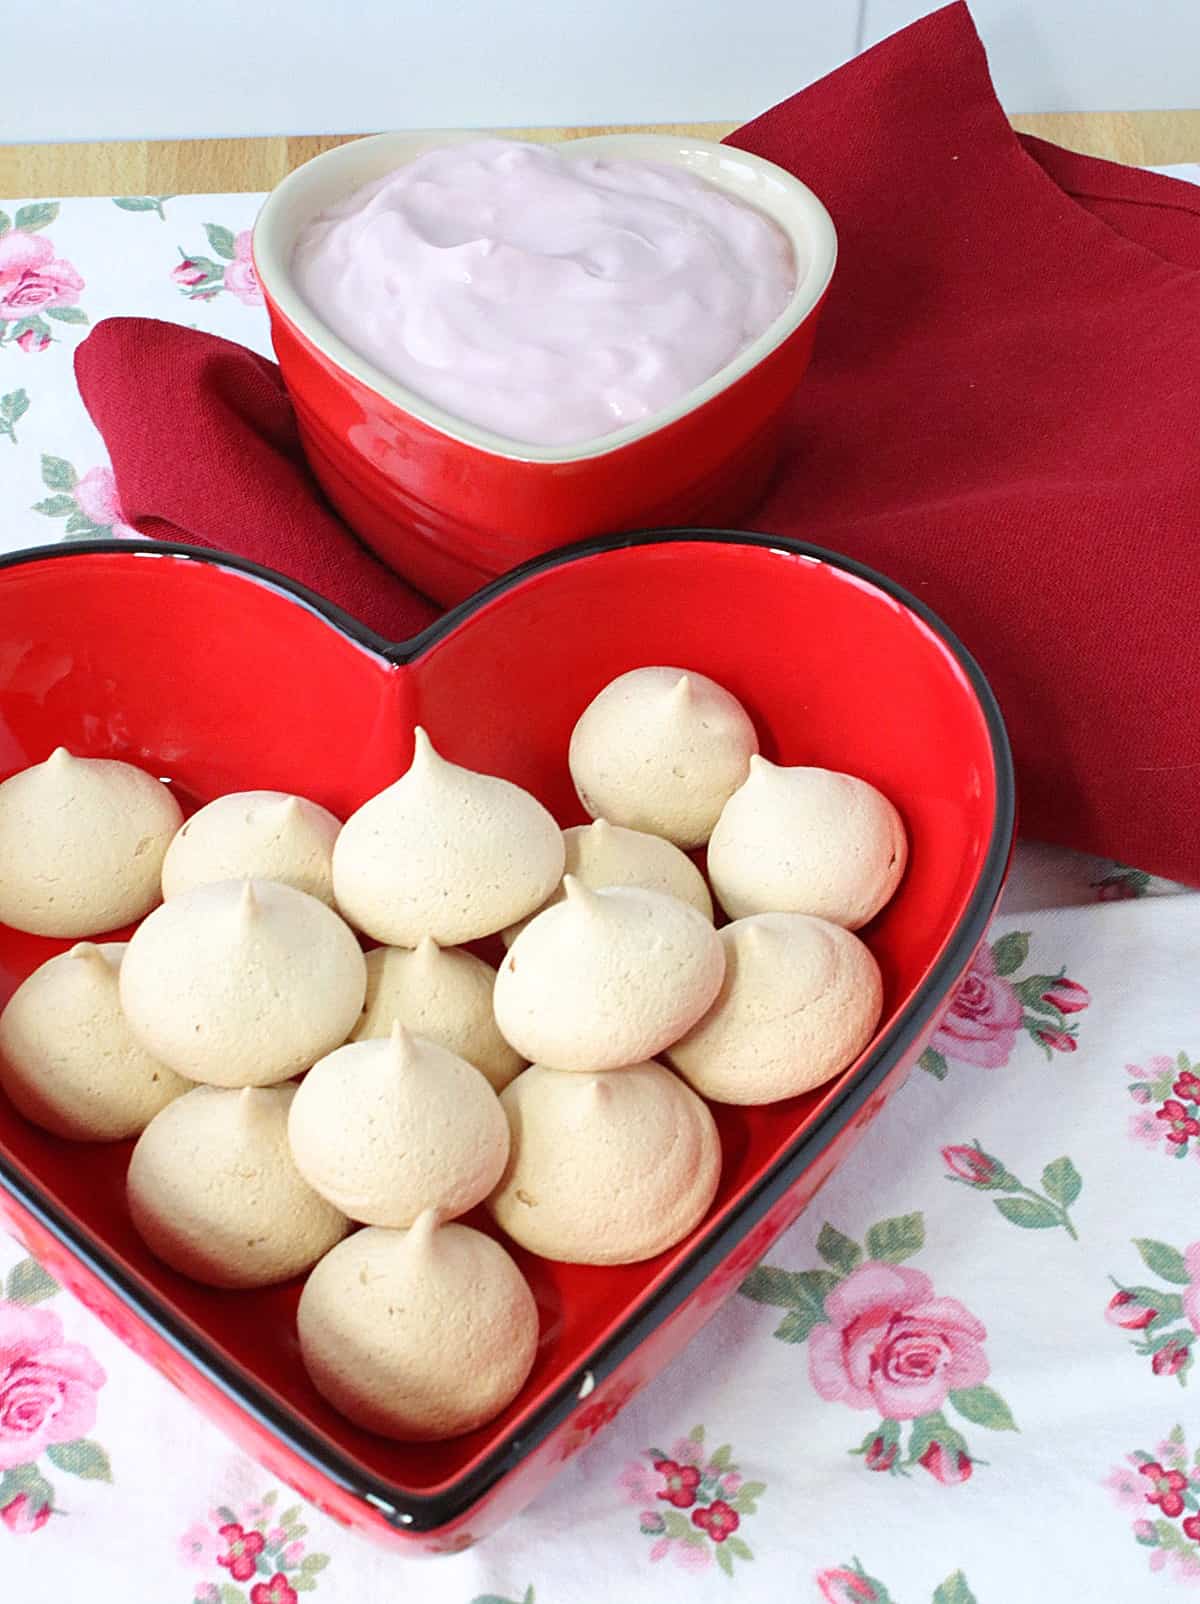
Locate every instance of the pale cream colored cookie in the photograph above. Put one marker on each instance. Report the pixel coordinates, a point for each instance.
(443, 994)
(243, 983)
(607, 1168)
(387, 1129)
(418, 1334)
(661, 750)
(214, 1193)
(801, 840)
(607, 978)
(82, 842)
(266, 835)
(68, 1059)
(445, 852)
(800, 1000)
(602, 854)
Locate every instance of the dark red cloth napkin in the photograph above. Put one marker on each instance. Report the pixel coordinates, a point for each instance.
(1003, 414)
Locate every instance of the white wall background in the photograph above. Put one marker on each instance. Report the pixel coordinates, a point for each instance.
(162, 68)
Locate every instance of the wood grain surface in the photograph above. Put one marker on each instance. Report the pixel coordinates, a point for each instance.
(197, 166)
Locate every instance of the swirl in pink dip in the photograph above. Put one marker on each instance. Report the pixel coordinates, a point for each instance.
(550, 299)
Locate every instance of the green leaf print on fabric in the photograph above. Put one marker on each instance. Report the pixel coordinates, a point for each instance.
(13, 406)
(143, 203)
(971, 1165)
(893, 1241)
(1010, 952)
(838, 1250)
(220, 239)
(983, 1406)
(84, 1459)
(954, 1590)
(31, 219)
(1163, 1260)
(28, 1283)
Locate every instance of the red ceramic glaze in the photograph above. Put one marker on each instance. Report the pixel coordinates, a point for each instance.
(222, 676)
(450, 515)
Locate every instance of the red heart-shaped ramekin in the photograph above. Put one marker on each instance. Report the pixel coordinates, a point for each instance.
(450, 505)
(223, 676)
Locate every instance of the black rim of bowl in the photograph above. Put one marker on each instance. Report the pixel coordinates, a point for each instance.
(428, 1512)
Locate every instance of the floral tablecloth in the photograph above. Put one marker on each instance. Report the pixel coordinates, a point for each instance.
(962, 1375)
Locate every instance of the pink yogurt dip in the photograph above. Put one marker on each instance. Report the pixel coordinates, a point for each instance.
(546, 298)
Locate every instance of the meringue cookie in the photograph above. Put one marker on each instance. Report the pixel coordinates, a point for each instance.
(661, 750)
(243, 983)
(82, 841)
(68, 1059)
(442, 994)
(388, 1129)
(602, 854)
(800, 840)
(607, 1168)
(269, 835)
(419, 1334)
(213, 1191)
(445, 852)
(800, 1000)
(607, 978)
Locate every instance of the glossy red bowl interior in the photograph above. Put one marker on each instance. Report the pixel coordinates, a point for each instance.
(223, 677)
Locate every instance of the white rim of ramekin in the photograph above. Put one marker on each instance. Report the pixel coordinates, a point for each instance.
(337, 173)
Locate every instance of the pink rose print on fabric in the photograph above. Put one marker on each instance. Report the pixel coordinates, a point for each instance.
(880, 1338)
(1121, 885)
(1022, 1206)
(48, 1386)
(24, 1514)
(850, 1584)
(37, 288)
(1163, 1320)
(88, 501)
(240, 277)
(1166, 1498)
(980, 1027)
(1167, 1092)
(993, 1006)
(253, 1555)
(48, 1399)
(693, 1503)
(888, 1344)
(230, 268)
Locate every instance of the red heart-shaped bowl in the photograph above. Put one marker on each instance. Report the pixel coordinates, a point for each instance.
(223, 676)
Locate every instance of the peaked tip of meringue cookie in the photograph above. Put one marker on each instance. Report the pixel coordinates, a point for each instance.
(680, 693)
(419, 1238)
(87, 952)
(400, 1043)
(425, 754)
(578, 894)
